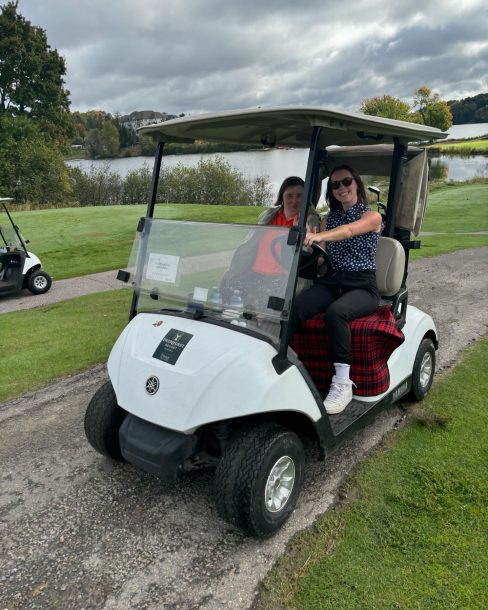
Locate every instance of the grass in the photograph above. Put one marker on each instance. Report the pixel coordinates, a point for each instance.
(44, 344)
(414, 533)
(458, 208)
(469, 147)
(77, 241)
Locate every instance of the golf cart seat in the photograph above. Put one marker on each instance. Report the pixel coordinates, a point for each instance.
(374, 337)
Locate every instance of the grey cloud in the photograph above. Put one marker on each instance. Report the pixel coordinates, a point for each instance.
(195, 56)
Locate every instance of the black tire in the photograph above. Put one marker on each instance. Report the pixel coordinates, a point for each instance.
(243, 477)
(103, 419)
(423, 370)
(39, 282)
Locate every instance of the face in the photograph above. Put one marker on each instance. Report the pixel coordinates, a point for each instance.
(292, 201)
(347, 195)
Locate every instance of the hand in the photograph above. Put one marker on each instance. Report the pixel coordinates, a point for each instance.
(310, 238)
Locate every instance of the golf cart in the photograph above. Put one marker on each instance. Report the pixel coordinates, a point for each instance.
(207, 372)
(18, 268)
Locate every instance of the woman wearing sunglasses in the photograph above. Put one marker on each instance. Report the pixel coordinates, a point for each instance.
(350, 235)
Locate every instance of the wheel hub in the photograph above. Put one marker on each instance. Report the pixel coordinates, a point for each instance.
(280, 484)
(425, 370)
(40, 282)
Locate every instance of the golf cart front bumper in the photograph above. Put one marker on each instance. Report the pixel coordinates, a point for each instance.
(154, 449)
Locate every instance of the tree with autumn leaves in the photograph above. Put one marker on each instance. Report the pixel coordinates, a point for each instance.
(427, 109)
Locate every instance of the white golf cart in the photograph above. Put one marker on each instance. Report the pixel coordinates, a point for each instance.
(206, 372)
(19, 268)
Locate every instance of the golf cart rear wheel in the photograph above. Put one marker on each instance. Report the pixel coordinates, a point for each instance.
(423, 370)
(259, 478)
(103, 419)
(39, 282)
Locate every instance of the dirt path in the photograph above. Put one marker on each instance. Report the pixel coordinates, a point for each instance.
(79, 531)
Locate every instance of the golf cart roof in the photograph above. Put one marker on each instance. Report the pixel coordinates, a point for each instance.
(290, 126)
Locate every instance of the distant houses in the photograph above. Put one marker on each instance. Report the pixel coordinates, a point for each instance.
(140, 118)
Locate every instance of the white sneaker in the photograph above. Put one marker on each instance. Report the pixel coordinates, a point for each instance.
(339, 396)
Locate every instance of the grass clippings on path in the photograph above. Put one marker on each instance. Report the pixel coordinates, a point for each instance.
(412, 530)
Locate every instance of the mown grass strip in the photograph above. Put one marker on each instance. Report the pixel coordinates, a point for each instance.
(469, 147)
(44, 344)
(412, 532)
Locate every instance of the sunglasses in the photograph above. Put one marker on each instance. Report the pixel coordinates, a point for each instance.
(345, 181)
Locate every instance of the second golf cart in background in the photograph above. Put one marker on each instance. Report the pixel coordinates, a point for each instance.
(207, 373)
(19, 268)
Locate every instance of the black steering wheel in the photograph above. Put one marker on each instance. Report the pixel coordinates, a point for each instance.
(315, 264)
(312, 265)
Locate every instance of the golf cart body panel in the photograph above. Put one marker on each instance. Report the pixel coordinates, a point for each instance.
(205, 367)
(191, 392)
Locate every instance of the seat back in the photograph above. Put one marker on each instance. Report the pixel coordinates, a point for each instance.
(390, 266)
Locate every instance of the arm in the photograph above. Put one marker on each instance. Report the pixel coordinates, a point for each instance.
(369, 221)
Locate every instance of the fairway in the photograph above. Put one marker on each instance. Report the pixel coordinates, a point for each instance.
(78, 241)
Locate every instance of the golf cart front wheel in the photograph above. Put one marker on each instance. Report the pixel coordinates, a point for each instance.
(423, 370)
(259, 478)
(39, 282)
(103, 419)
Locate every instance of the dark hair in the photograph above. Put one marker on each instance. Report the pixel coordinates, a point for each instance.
(334, 204)
(287, 183)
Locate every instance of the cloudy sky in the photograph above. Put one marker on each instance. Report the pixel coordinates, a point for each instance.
(206, 55)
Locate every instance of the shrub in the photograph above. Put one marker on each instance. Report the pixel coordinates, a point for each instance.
(212, 182)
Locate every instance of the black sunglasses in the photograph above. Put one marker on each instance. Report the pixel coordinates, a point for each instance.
(345, 181)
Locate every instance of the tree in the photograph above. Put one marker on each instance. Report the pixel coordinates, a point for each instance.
(31, 75)
(386, 106)
(431, 109)
(31, 168)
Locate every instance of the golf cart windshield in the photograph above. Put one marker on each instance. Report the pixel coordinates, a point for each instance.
(235, 274)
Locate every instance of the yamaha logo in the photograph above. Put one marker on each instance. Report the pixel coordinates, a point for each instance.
(152, 385)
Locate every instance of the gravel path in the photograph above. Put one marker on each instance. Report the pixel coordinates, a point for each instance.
(79, 531)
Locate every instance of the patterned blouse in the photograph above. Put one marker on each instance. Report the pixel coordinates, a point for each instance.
(356, 253)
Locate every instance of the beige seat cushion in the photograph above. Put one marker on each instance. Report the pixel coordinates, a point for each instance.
(390, 266)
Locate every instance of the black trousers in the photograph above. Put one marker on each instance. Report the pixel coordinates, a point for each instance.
(343, 297)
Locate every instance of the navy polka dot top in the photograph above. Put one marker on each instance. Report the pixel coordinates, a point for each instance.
(356, 253)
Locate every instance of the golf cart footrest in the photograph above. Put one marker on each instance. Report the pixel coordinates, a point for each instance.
(154, 449)
(374, 338)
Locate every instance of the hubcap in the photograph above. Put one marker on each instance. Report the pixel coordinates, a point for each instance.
(426, 369)
(40, 282)
(280, 484)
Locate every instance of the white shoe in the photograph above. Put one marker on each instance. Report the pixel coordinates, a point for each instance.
(339, 396)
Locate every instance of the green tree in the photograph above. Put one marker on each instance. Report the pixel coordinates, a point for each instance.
(386, 106)
(431, 110)
(31, 168)
(102, 143)
(31, 75)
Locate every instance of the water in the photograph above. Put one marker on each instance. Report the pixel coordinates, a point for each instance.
(469, 130)
(278, 164)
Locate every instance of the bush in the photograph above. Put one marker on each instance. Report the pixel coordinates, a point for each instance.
(212, 182)
(32, 168)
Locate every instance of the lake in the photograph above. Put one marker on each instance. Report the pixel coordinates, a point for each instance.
(278, 164)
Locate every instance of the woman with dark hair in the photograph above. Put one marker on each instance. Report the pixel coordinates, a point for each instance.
(287, 207)
(350, 234)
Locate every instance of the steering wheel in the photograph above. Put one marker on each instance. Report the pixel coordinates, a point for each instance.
(312, 264)
(315, 264)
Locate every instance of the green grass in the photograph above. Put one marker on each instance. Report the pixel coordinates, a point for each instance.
(458, 208)
(77, 241)
(469, 147)
(44, 344)
(435, 245)
(414, 532)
